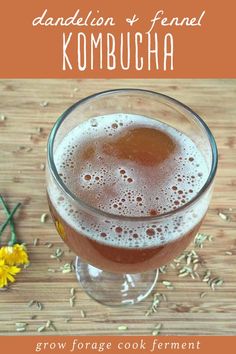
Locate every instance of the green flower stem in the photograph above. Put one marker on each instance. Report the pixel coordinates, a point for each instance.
(9, 220)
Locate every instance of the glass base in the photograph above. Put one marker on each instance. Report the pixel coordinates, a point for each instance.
(113, 289)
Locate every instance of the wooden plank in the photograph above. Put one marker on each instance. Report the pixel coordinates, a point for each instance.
(28, 124)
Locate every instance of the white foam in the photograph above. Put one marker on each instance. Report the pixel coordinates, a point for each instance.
(127, 189)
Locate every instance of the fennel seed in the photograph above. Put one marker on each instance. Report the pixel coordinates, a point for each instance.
(83, 314)
(223, 216)
(51, 270)
(41, 328)
(21, 324)
(31, 303)
(162, 269)
(39, 305)
(44, 103)
(36, 241)
(48, 324)
(200, 238)
(156, 332)
(48, 244)
(72, 301)
(158, 326)
(43, 218)
(166, 282)
(122, 328)
(20, 329)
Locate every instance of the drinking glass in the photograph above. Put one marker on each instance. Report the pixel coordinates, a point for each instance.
(121, 275)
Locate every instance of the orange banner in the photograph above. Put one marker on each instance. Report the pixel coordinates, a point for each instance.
(115, 39)
(118, 344)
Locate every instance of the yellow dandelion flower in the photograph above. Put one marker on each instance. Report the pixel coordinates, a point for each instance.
(7, 273)
(13, 255)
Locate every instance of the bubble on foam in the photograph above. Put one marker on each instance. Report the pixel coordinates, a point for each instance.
(123, 189)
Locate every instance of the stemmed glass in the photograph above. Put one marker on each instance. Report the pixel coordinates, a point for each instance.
(120, 275)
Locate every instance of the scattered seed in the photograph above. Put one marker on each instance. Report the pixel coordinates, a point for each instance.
(31, 303)
(28, 149)
(157, 298)
(83, 314)
(52, 326)
(163, 269)
(158, 326)
(189, 260)
(39, 129)
(43, 218)
(122, 328)
(36, 241)
(72, 291)
(196, 261)
(48, 244)
(21, 324)
(20, 329)
(155, 332)
(51, 270)
(72, 302)
(206, 276)
(183, 270)
(26, 265)
(228, 253)
(164, 297)
(42, 167)
(179, 259)
(219, 282)
(41, 328)
(168, 284)
(202, 295)
(44, 103)
(195, 266)
(66, 268)
(184, 274)
(57, 254)
(223, 216)
(39, 305)
(3, 117)
(200, 239)
(48, 324)
(170, 287)
(67, 319)
(206, 279)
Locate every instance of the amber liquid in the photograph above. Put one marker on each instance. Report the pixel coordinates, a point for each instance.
(126, 170)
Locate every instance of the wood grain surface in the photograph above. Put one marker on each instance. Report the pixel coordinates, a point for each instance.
(27, 125)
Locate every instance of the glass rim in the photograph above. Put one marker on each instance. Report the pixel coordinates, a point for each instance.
(96, 211)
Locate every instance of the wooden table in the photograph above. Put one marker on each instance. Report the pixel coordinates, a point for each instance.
(31, 107)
